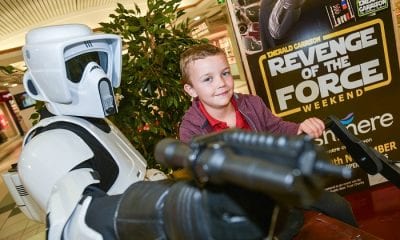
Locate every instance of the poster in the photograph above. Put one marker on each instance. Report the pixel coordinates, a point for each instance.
(326, 57)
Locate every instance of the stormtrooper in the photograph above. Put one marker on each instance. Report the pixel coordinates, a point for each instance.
(81, 176)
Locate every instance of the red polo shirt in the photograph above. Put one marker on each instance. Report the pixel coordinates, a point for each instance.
(218, 125)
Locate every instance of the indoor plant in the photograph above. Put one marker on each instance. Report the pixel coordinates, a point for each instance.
(151, 98)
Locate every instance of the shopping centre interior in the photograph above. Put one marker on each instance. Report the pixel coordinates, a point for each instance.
(378, 210)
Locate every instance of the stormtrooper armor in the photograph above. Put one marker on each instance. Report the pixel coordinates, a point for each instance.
(74, 72)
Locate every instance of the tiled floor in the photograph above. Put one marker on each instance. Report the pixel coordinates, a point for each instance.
(13, 223)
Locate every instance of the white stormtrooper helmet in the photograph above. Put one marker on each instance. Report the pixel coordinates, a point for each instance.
(73, 70)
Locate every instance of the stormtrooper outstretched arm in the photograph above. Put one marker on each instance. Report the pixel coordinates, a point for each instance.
(80, 204)
(171, 210)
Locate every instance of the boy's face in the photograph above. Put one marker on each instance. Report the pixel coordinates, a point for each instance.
(211, 81)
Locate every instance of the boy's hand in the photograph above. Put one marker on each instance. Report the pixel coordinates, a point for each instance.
(312, 127)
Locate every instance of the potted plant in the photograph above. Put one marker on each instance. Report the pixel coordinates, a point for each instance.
(151, 98)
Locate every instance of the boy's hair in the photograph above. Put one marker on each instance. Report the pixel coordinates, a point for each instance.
(194, 53)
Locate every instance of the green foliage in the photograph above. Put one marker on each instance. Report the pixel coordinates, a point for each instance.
(7, 69)
(35, 116)
(152, 99)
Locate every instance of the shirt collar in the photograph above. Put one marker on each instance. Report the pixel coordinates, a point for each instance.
(220, 125)
(212, 121)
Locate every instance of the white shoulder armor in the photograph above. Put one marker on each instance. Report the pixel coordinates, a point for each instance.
(48, 156)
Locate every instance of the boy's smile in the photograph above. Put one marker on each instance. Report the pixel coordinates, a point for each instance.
(211, 81)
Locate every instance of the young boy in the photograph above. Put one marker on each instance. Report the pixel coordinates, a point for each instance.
(207, 79)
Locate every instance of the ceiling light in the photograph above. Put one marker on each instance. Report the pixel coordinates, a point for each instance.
(197, 18)
(14, 85)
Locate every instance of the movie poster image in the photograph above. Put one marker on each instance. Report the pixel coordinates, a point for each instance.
(326, 57)
(339, 12)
